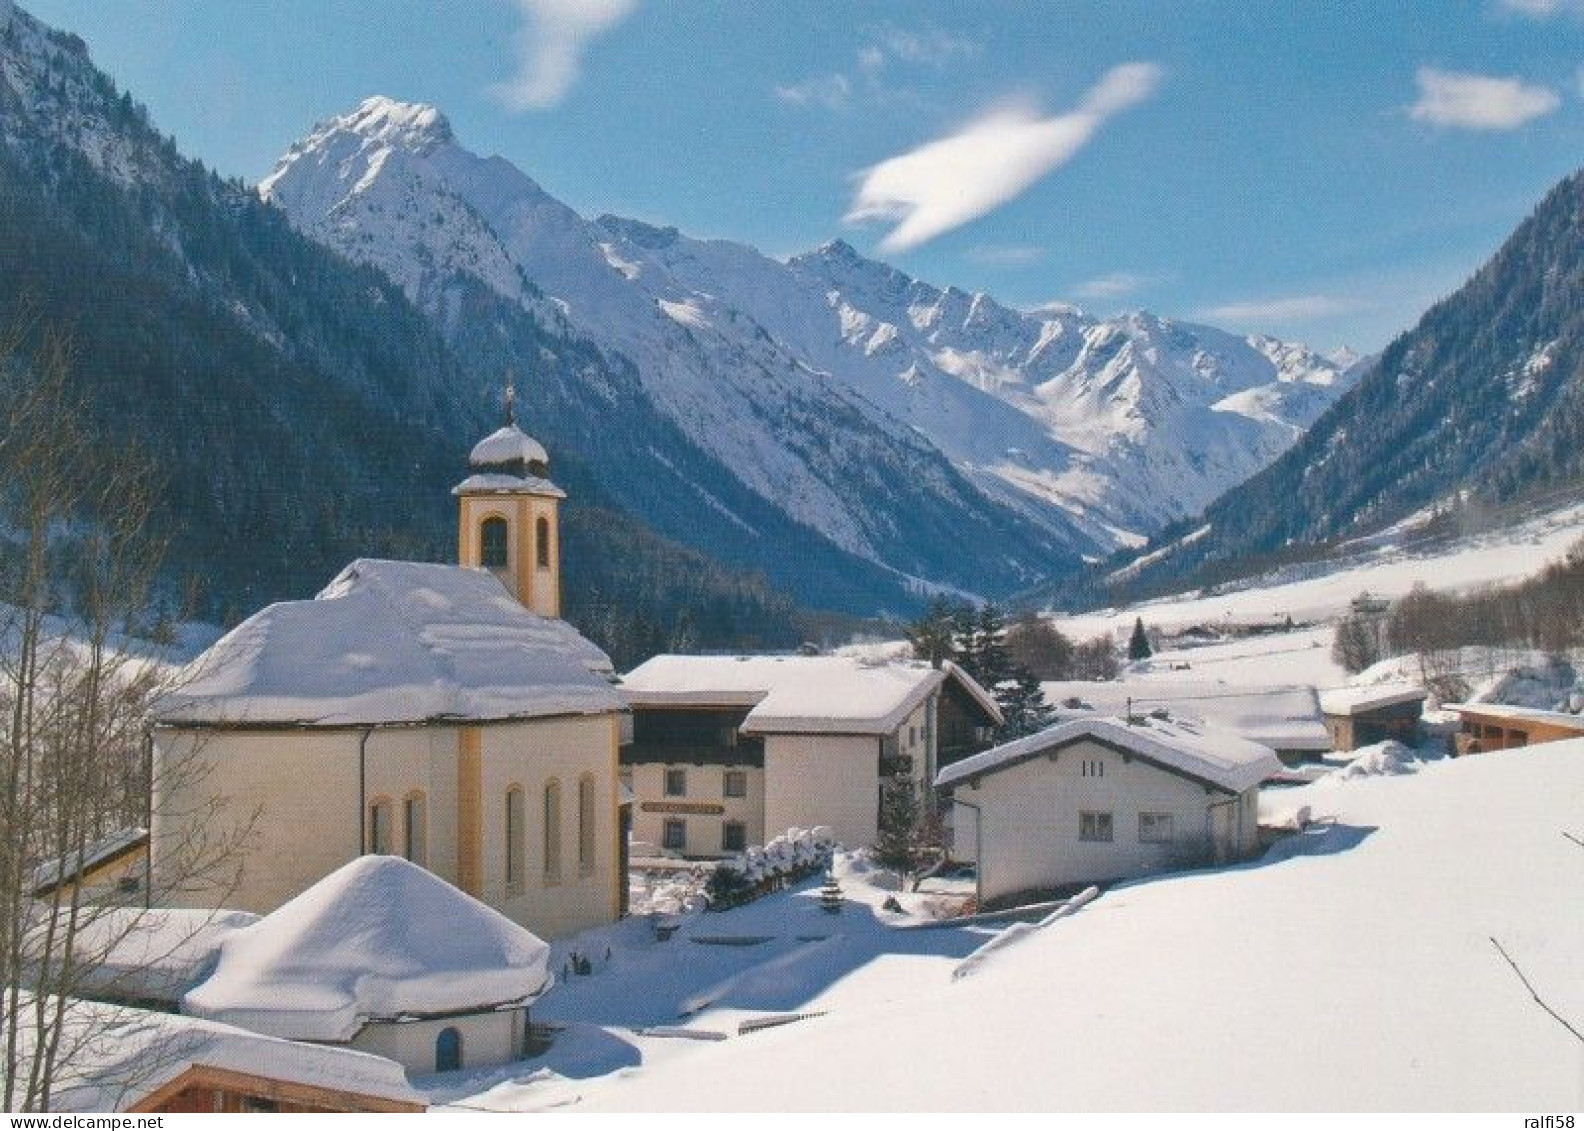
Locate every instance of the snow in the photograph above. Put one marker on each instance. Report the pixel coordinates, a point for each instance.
(1209, 753)
(379, 938)
(1389, 757)
(393, 642)
(1357, 700)
(153, 954)
(1286, 718)
(1521, 714)
(119, 1056)
(493, 482)
(507, 445)
(1350, 969)
(789, 694)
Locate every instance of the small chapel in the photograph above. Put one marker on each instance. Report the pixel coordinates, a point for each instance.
(441, 713)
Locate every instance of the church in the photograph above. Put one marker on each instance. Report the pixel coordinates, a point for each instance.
(442, 713)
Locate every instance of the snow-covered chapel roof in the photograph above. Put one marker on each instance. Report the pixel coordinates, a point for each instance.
(508, 445)
(377, 939)
(1207, 754)
(394, 642)
(793, 694)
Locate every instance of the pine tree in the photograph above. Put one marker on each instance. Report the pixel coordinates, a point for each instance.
(933, 635)
(1024, 707)
(1138, 644)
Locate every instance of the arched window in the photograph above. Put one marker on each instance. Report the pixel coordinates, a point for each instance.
(514, 837)
(586, 824)
(552, 832)
(448, 1050)
(492, 543)
(542, 542)
(415, 830)
(381, 834)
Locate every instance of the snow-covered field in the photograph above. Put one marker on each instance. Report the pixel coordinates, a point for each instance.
(1389, 571)
(1351, 968)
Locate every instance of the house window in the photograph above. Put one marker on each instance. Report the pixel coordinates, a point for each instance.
(552, 832)
(448, 1050)
(1155, 828)
(1094, 826)
(380, 838)
(734, 836)
(586, 824)
(674, 835)
(1094, 768)
(414, 821)
(542, 542)
(735, 784)
(493, 551)
(514, 837)
(676, 783)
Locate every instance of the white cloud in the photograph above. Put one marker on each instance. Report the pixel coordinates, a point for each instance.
(931, 46)
(1479, 102)
(1116, 284)
(945, 183)
(830, 91)
(1293, 308)
(550, 47)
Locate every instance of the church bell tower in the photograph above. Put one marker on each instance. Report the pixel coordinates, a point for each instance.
(508, 519)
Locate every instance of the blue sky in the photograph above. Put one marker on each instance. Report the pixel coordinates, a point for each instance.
(1317, 171)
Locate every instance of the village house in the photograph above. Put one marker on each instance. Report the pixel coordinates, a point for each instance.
(384, 957)
(1285, 718)
(1363, 716)
(112, 869)
(133, 1060)
(1097, 799)
(727, 751)
(440, 713)
(1496, 726)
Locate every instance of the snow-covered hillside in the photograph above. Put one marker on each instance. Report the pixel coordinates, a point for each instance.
(1354, 967)
(810, 376)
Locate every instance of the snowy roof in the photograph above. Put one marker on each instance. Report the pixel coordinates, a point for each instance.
(102, 851)
(492, 483)
(394, 642)
(377, 939)
(507, 445)
(1357, 700)
(140, 954)
(1208, 754)
(975, 690)
(789, 694)
(1520, 714)
(1285, 717)
(121, 1056)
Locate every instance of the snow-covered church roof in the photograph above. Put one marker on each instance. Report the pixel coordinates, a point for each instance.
(1207, 754)
(377, 939)
(394, 642)
(508, 445)
(791, 694)
(509, 460)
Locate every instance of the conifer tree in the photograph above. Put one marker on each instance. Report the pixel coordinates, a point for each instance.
(1138, 644)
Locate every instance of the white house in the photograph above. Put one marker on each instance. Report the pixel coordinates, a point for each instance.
(1096, 799)
(442, 713)
(385, 958)
(727, 751)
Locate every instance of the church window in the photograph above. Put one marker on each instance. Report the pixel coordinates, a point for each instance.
(414, 822)
(493, 543)
(552, 831)
(586, 824)
(542, 542)
(380, 839)
(514, 837)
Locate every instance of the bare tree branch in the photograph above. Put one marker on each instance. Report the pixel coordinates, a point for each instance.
(1563, 1021)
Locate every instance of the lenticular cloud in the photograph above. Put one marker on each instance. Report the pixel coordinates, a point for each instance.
(948, 182)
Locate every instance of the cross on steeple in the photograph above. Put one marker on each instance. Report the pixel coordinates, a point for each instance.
(511, 400)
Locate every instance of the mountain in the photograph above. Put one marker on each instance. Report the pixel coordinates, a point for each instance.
(1482, 402)
(301, 410)
(873, 407)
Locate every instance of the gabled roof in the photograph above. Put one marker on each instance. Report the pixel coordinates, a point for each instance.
(1358, 700)
(1282, 717)
(1563, 719)
(394, 642)
(106, 850)
(378, 938)
(122, 1057)
(795, 694)
(1210, 755)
